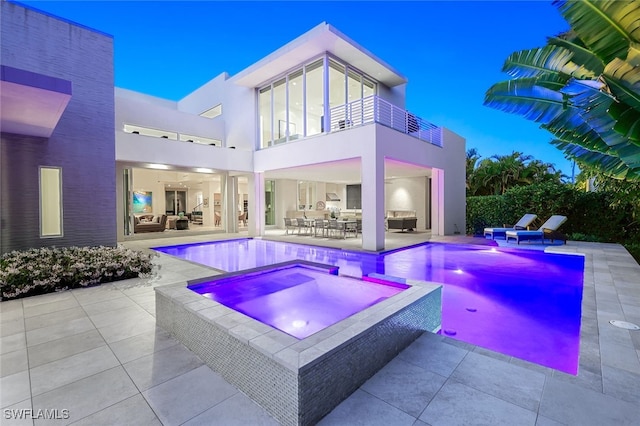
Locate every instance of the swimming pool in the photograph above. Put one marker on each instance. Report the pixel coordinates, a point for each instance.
(521, 303)
(297, 299)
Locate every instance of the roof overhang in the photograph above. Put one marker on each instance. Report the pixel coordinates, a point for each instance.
(30, 103)
(323, 38)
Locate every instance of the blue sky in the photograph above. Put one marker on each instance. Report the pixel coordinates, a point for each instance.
(451, 52)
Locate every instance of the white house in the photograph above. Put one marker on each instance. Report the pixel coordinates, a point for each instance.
(317, 126)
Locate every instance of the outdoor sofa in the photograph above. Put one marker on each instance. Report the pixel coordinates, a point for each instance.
(402, 219)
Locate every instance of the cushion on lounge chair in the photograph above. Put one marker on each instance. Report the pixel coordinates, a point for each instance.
(523, 223)
(549, 229)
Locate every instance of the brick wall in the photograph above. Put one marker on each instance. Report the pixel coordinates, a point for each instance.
(82, 144)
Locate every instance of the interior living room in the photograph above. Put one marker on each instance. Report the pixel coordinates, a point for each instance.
(182, 200)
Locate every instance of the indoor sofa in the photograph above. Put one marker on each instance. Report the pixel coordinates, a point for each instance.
(402, 219)
(150, 223)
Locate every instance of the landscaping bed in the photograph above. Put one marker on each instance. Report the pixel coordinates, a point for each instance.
(46, 270)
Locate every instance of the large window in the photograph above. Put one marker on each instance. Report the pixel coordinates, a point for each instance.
(265, 117)
(280, 110)
(306, 195)
(269, 202)
(295, 121)
(314, 98)
(354, 197)
(293, 106)
(50, 202)
(336, 84)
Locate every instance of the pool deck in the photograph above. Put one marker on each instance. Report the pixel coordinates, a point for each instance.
(98, 353)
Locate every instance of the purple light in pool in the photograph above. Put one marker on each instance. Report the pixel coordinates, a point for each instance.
(297, 300)
(526, 304)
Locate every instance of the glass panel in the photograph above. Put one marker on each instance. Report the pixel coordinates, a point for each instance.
(302, 195)
(296, 122)
(170, 201)
(314, 94)
(127, 197)
(265, 117)
(368, 87)
(269, 202)
(213, 112)
(306, 195)
(50, 202)
(311, 193)
(336, 84)
(280, 111)
(354, 197)
(354, 86)
(368, 90)
(181, 202)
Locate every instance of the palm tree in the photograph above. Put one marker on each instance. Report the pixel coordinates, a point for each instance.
(472, 159)
(499, 173)
(584, 86)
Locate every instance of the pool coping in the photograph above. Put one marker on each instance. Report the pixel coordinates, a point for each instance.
(293, 353)
(286, 375)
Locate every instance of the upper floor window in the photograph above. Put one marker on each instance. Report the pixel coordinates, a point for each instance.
(294, 106)
(212, 112)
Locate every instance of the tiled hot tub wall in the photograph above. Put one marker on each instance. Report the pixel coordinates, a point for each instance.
(298, 381)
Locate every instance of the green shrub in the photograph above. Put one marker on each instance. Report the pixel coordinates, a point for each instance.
(592, 216)
(44, 270)
(634, 249)
(490, 210)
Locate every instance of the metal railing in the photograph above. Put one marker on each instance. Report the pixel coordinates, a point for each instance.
(373, 109)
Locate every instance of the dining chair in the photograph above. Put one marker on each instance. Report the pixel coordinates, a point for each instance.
(332, 227)
(288, 224)
(319, 225)
(351, 228)
(302, 225)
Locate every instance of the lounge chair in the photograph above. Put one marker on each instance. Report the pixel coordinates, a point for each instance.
(548, 230)
(524, 223)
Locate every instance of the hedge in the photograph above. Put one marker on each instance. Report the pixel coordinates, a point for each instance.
(592, 216)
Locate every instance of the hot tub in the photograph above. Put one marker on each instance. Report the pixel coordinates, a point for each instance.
(296, 337)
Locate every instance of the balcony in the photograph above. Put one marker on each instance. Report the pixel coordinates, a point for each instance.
(373, 109)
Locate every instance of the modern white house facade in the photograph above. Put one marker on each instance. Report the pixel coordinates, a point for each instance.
(316, 127)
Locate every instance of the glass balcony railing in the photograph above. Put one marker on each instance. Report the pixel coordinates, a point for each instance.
(373, 109)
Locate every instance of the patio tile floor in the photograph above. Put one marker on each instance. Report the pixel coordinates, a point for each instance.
(98, 353)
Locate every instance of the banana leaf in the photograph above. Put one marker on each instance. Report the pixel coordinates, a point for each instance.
(610, 165)
(552, 60)
(579, 133)
(526, 98)
(627, 121)
(623, 79)
(581, 55)
(606, 27)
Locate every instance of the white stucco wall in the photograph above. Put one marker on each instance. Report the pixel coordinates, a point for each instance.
(408, 194)
(156, 113)
(238, 110)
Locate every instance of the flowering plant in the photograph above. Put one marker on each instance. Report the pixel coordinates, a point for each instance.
(45, 270)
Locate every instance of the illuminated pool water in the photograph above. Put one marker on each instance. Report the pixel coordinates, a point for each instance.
(521, 303)
(299, 300)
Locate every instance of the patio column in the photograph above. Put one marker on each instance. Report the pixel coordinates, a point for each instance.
(372, 173)
(256, 204)
(230, 218)
(437, 202)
